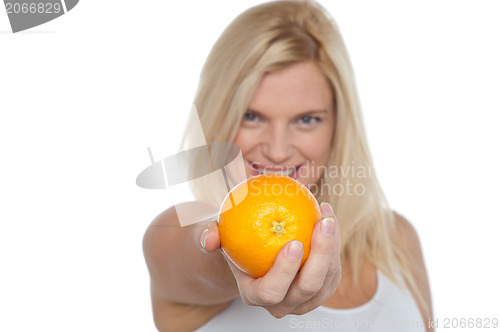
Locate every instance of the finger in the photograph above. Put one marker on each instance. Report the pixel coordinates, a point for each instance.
(321, 259)
(327, 291)
(273, 286)
(335, 265)
(326, 210)
(209, 237)
(243, 279)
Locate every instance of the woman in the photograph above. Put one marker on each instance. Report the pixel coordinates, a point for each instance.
(279, 84)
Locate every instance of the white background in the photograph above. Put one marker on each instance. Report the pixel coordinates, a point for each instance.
(83, 96)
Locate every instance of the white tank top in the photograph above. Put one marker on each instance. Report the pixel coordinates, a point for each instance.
(390, 309)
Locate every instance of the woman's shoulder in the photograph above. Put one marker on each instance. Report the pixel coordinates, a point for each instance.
(405, 234)
(406, 237)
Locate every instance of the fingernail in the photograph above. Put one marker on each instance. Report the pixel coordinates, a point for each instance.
(327, 226)
(203, 240)
(295, 250)
(326, 209)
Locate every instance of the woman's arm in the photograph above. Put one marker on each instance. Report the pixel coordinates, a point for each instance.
(180, 271)
(188, 285)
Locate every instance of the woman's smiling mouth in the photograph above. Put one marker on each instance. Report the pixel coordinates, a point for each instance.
(291, 171)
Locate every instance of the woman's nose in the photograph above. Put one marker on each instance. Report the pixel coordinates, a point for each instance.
(278, 145)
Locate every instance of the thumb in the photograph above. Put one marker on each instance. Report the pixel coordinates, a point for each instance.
(209, 237)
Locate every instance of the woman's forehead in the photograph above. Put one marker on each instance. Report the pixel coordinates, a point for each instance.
(300, 87)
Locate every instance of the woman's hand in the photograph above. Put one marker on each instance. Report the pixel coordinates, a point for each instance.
(284, 289)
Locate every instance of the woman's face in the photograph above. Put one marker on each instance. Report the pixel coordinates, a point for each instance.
(289, 124)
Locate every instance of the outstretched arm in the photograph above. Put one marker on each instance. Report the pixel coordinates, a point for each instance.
(191, 281)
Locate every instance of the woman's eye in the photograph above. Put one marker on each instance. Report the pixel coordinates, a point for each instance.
(307, 120)
(250, 117)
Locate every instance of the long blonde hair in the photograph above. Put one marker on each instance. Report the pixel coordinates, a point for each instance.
(270, 37)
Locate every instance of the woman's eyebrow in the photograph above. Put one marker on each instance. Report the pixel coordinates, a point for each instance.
(251, 110)
(311, 113)
(315, 112)
(304, 113)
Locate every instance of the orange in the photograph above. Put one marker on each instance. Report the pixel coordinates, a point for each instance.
(260, 215)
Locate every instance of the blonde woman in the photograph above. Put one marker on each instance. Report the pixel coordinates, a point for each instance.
(279, 84)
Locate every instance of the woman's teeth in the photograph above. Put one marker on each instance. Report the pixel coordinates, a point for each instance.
(286, 172)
